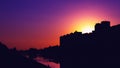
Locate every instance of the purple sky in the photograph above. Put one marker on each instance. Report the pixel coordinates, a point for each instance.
(39, 23)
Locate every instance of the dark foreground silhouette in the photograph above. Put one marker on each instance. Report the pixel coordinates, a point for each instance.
(99, 49)
(10, 59)
(52, 53)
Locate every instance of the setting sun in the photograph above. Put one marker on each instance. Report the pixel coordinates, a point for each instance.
(86, 29)
(85, 24)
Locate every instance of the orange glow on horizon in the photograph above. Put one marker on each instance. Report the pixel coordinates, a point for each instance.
(84, 25)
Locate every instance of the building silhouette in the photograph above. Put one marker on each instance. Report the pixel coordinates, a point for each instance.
(96, 49)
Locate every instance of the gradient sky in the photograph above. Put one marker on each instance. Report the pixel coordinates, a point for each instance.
(40, 23)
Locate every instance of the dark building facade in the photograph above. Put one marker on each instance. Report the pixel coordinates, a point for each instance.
(101, 47)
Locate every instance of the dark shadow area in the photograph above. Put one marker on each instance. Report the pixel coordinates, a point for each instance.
(13, 59)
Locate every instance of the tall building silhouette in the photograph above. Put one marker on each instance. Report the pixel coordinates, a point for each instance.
(99, 48)
(103, 26)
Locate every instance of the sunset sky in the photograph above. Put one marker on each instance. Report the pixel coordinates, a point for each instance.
(40, 23)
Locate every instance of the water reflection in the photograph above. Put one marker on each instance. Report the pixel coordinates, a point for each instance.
(47, 62)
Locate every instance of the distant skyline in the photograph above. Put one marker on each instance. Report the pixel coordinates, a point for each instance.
(39, 23)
